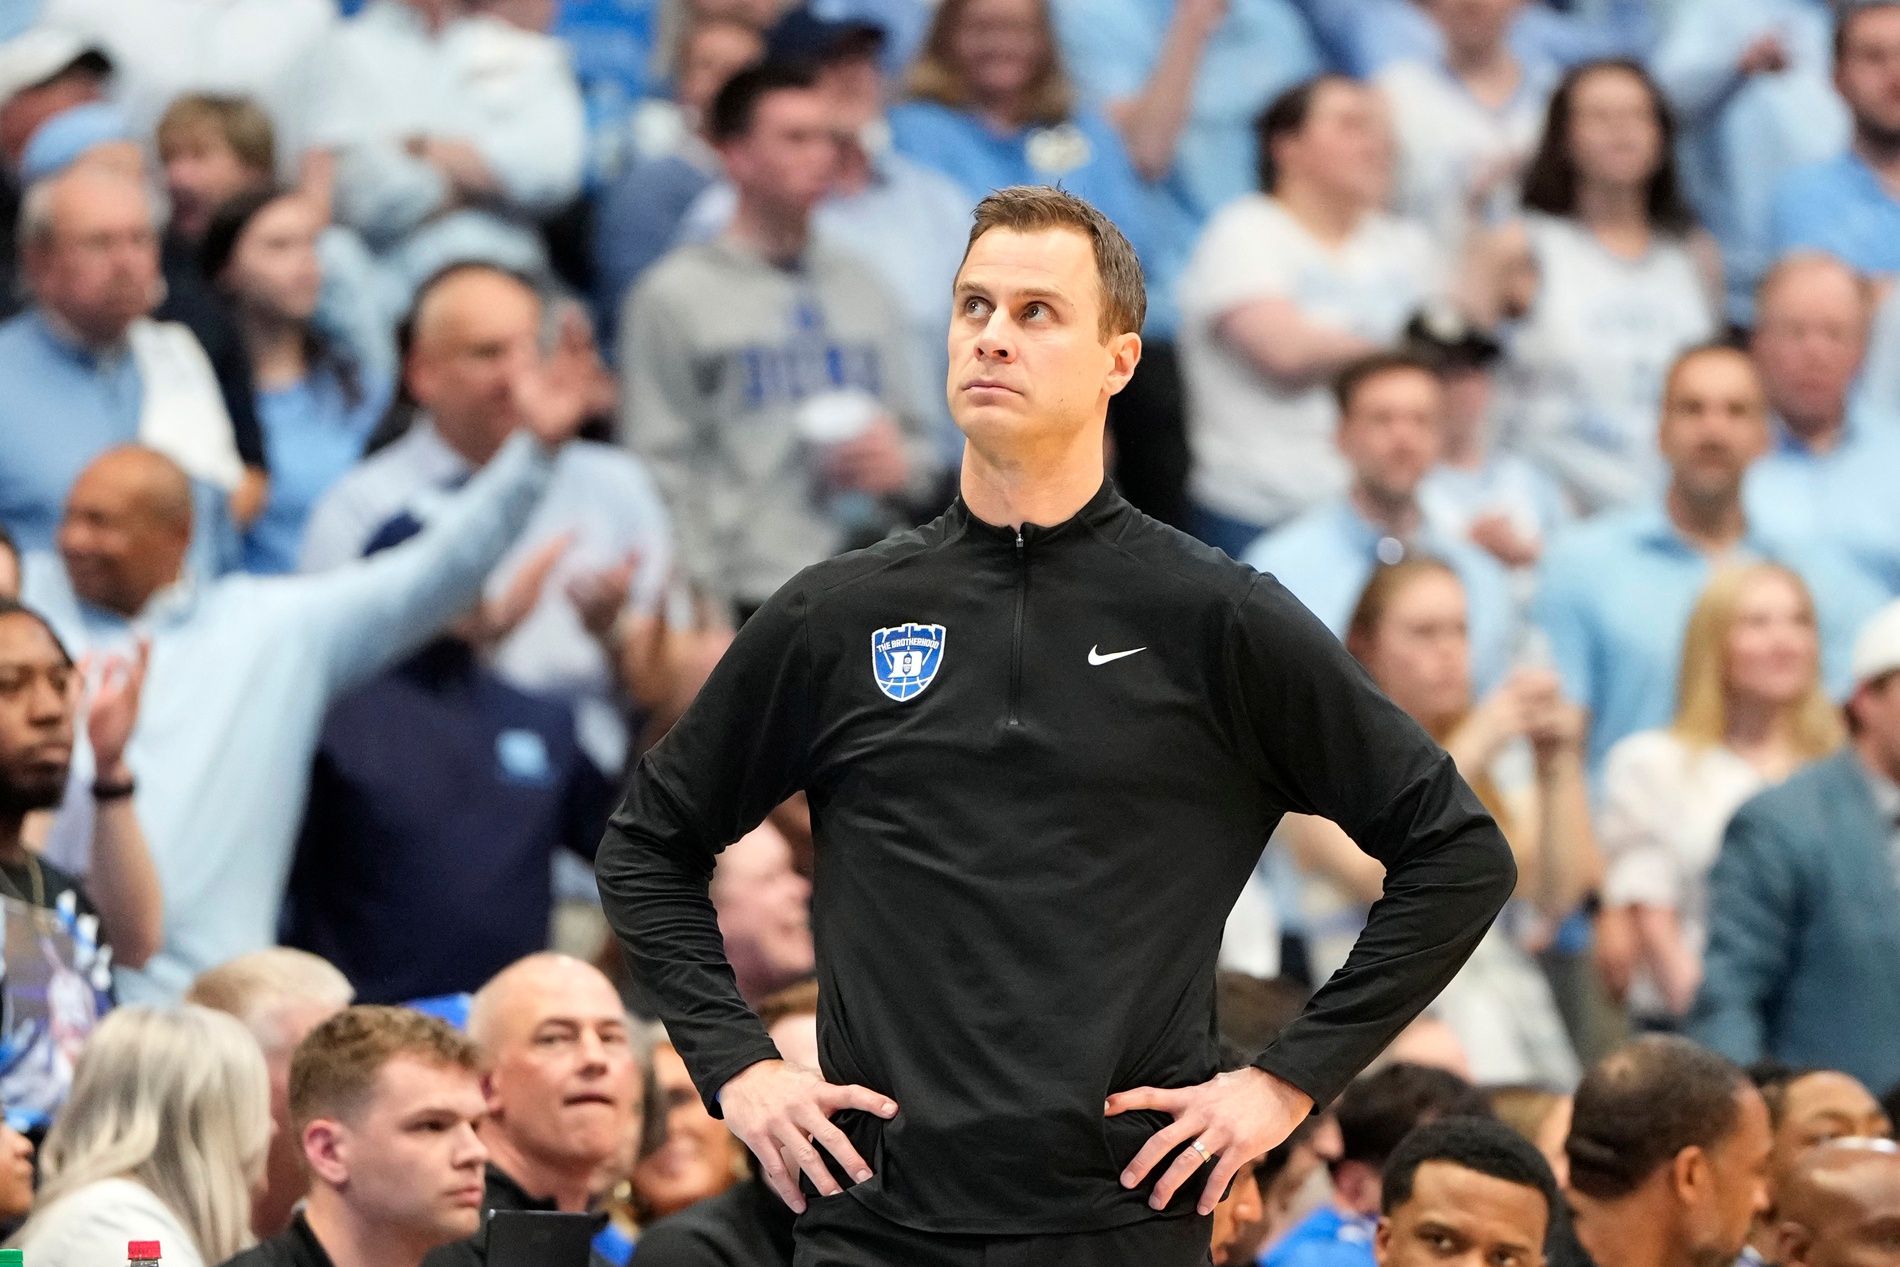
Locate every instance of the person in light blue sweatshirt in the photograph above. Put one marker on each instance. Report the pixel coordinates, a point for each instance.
(243, 668)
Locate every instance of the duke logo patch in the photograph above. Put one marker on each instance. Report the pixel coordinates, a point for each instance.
(904, 658)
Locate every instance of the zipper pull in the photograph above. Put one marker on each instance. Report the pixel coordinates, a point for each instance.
(1019, 538)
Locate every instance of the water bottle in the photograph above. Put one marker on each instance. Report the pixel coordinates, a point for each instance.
(139, 1253)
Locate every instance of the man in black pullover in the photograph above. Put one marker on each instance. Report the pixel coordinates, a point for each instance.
(1044, 740)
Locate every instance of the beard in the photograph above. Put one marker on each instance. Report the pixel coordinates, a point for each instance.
(22, 795)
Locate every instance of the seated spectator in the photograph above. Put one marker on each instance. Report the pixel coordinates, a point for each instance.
(1807, 1108)
(1238, 1218)
(1842, 1202)
(48, 70)
(1467, 123)
(1375, 1114)
(388, 883)
(1751, 710)
(415, 173)
(697, 1157)
(17, 1177)
(1540, 1116)
(638, 216)
(908, 221)
(1749, 81)
(246, 666)
(1835, 453)
(1465, 1189)
(1802, 920)
(263, 49)
(1668, 1156)
(1624, 281)
(385, 1103)
(747, 1225)
(473, 328)
(88, 369)
(1614, 594)
(1481, 492)
(1287, 288)
(991, 106)
(1842, 205)
(560, 1080)
(764, 907)
(1408, 630)
(316, 404)
(215, 148)
(1391, 432)
(280, 995)
(787, 452)
(164, 1135)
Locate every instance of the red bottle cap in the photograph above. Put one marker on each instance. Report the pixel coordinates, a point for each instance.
(142, 1251)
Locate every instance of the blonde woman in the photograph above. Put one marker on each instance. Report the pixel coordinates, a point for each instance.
(1750, 711)
(162, 1138)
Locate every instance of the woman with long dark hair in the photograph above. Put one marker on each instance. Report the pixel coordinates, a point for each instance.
(1601, 282)
(316, 404)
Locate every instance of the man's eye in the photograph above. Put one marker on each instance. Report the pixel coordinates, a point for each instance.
(1035, 311)
(974, 307)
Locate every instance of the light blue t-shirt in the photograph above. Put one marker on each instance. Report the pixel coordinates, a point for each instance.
(1326, 556)
(1614, 597)
(1325, 1238)
(1845, 497)
(314, 431)
(1839, 206)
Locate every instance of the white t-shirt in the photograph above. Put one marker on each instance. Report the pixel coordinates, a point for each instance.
(91, 1226)
(1582, 382)
(1449, 141)
(1263, 450)
(1665, 807)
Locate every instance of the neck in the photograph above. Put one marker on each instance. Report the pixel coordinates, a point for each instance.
(1395, 516)
(1713, 524)
(779, 236)
(1006, 113)
(96, 342)
(1608, 208)
(1464, 446)
(1817, 434)
(276, 346)
(1043, 488)
(351, 1241)
(12, 842)
(1327, 216)
(1880, 150)
(1624, 1233)
(1488, 71)
(1758, 729)
(570, 1191)
(1874, 759)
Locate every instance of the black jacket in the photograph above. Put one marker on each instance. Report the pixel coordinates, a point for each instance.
(747, 1225)
(1027, 850)
(295, 1246)
(501, 1192)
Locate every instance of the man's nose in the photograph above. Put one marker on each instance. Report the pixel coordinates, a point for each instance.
(995, 344)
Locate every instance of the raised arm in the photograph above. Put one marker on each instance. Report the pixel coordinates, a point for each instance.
(122, 883)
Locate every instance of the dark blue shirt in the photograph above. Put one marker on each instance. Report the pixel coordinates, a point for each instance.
(438, 796)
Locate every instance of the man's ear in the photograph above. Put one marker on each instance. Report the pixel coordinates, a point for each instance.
(326, 1150)
(1357, 1185)
(1382, 1242)
(1691, 1177)
(1793, 1241)
(1126, 351)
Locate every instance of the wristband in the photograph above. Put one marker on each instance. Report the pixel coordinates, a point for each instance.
(114, 791)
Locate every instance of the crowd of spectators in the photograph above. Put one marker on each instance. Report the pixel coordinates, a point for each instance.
(403, 401)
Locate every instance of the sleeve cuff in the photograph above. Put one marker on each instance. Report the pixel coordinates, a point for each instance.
(715, 1078)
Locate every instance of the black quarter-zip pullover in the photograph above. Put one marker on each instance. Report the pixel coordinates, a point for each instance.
(1041, 765)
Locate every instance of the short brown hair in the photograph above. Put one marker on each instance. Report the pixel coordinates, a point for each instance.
(1375, 365)
(1033, 208)
(241, 123)
(336, 1064)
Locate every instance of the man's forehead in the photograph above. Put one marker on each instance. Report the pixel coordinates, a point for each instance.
(1055, 259)
(1443, 1190)
(415, 1083)
(25, 641)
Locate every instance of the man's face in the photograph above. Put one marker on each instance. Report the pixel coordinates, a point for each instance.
(1461, 1218)
(1868, 74)
(1392, 433)
(1853, 1220)
(764, 909)
(1028, 364)
(9, 573)
(1474, 24)
(1809, 341)
(1714, 424)
(1237, 1215)
(117, 548)
(1821, 1107)
(1738, 1189)
(475, 335)
(36, 717)
(410, 1154)
(202, 173)
(97, 266)
(788, 159)
(561, 1080)
(1876, 707)
(1346, 146)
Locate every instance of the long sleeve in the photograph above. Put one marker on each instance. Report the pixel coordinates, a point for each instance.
(1695, 65)
(371, 614)
(741, 748)
(1754, 906)
(1329, 743)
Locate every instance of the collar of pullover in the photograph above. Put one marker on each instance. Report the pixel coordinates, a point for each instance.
(1101, 512)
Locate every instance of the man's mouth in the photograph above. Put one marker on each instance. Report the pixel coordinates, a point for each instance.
(590, 1097)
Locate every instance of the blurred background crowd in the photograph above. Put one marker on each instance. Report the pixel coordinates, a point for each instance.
(402, 402)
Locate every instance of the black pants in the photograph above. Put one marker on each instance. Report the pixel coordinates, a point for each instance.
(839, 1232)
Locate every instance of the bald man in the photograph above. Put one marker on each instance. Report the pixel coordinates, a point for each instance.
(473, 325)
(1835, 459)
(1806, 1109)
(1841, 1207)
(244, 667)
(561, 1078)
(86, 369)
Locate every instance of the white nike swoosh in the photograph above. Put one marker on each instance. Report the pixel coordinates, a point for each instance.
(1096, 657)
